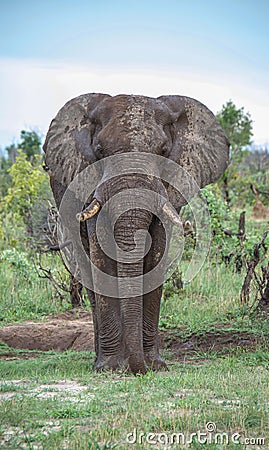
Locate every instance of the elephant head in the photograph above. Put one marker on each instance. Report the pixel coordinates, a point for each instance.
(94, 127)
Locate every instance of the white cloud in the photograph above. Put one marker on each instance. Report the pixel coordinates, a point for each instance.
(32, 92)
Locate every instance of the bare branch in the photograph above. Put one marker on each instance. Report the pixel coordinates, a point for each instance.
(251, 266)
(257, 191)
(241, 234)
(57, 248)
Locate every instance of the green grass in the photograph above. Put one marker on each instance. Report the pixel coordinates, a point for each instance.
(23, 294)
(206, 300)
(231, 391)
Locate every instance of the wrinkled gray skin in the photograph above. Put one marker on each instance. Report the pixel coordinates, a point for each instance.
(94, 126)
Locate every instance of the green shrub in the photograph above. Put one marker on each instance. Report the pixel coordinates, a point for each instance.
(25, 199)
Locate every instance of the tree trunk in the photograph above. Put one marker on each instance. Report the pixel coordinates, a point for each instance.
(264, 301)
(75, 288)
(226, 190)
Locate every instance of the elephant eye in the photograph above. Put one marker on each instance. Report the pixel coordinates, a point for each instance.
(99, 150)
(164, 147)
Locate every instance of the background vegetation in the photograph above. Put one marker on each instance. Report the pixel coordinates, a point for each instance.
(227, 386)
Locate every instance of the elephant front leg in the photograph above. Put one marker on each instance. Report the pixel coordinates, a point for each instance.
(109, 351)
(106, 314)
(155, 259)
(151, 311)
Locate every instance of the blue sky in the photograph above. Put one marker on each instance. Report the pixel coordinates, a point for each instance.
(53, 50)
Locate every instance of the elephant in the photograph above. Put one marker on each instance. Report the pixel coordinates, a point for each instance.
(116, 132)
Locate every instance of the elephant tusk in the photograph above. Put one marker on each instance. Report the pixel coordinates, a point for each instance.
(89, 212)
(171, 214)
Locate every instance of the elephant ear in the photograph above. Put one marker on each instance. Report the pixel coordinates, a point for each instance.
(199, 144)
(68, 141)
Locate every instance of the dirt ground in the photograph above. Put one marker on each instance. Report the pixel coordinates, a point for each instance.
(73, 330)
(260, 211)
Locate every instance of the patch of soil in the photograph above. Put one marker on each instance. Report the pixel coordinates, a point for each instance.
(73, 330)
(260, 211)
(219, 341)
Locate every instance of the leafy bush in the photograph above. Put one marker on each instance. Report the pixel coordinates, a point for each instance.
(218, 209)
(24, 202)
(18, 261)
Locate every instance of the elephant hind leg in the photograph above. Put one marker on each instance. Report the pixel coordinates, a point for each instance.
(91, 297)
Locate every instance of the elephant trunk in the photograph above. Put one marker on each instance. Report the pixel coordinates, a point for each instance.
(130, 235)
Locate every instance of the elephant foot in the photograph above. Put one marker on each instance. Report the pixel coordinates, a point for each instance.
(137, 364)
(111, 363)
(156, 363)
(132, 364)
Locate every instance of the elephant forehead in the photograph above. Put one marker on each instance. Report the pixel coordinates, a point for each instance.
(139, 128)
(131, 110)
(133, 121)
(135, 115)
